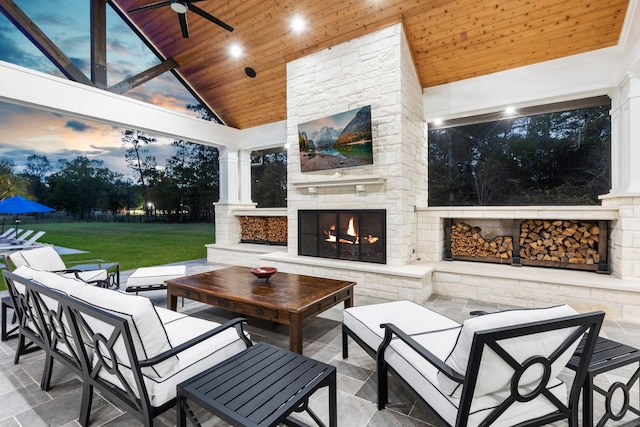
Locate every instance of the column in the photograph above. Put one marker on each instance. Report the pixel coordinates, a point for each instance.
(245, 176)
(625, 129)
(228, 175)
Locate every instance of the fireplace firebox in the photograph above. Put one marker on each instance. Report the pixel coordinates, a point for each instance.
(354, 235)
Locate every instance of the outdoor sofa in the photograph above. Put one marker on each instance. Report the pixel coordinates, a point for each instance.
(134, 353)
(498, 369)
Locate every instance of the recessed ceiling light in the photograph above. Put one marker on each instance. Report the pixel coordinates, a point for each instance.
(298, 24)
(510, 110)
(437, 122)
(235, 50)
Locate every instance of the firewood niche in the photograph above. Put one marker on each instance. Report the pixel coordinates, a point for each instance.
(578, 245)
(263, 229)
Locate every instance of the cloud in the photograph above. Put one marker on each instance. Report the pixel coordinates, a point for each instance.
(77, 126)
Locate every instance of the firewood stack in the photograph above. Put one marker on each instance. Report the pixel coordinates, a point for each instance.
(468, 241)
(253, 228)
(560, 241)
(272, 229)
(277, 229)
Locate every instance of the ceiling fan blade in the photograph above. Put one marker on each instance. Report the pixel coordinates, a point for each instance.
(184, 25)
(210, 17)
(150, 6)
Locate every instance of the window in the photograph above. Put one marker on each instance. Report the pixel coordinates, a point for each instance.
(269, 176)
(560, 156)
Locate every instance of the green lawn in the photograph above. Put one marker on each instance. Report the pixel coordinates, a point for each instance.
(133, 245)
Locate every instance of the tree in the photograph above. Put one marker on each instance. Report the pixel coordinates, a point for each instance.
(547, 159)
(194, 170)
(143, 166)
(82, 186)
(179, 172)
(10, 183)
(269, 189)
(35, 173)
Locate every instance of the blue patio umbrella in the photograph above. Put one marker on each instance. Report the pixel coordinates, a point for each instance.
(19, 205)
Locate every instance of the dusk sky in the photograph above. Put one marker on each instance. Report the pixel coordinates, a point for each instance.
(25, 131)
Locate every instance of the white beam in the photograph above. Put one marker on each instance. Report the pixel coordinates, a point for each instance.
(262, 137)
(565, 79)
(31, 88)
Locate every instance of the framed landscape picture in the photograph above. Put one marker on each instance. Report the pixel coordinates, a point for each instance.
(339, 141)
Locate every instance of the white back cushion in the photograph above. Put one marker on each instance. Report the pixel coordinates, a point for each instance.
(147, 332)
(495, 374)
(43, 258)
(50, 279)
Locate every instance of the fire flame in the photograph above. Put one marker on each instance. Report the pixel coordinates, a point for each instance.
(351, 231)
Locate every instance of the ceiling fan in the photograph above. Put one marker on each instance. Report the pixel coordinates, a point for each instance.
(181, 7)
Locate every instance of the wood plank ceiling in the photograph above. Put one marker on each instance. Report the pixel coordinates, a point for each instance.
(451, 40)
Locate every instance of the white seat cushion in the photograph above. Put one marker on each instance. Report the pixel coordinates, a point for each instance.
(181, 328)
(410, 317)
(147, 276)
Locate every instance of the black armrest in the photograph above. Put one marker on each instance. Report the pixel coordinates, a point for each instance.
(86, 261)
(237, 323)
(478, 313)
(391, 330)
(101, 283)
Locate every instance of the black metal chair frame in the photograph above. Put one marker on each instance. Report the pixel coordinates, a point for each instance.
(587, 325)
(9, 330)
(93, 353)
(135, 400)
(42, 327)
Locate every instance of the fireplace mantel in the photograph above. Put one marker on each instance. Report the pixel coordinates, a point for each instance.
(339, 181)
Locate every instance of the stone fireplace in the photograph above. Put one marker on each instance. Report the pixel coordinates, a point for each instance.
(352, 235)
(377, 70)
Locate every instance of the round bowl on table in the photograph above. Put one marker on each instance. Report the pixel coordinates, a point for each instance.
(264, 272)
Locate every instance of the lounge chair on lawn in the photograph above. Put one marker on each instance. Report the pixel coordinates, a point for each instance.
(30, 243)
(11, 238)
(8, 233)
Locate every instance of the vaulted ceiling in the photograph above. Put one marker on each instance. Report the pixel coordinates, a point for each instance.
(450, 40)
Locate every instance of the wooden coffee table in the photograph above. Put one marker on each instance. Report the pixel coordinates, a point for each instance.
(288, 299)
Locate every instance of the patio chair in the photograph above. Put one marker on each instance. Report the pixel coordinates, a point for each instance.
(10, 232)
(19, 245)
(14, 237)
(498, 369)
(46, 258)
(41, 322)
(133, 353)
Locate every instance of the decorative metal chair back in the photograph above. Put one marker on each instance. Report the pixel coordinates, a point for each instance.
(42, 321)
(532, 374)
(109, 360)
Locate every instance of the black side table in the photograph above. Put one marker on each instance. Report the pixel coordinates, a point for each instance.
(607, 356)
(261, 386)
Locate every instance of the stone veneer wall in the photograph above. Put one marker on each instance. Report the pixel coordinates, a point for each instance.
(377, 70)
